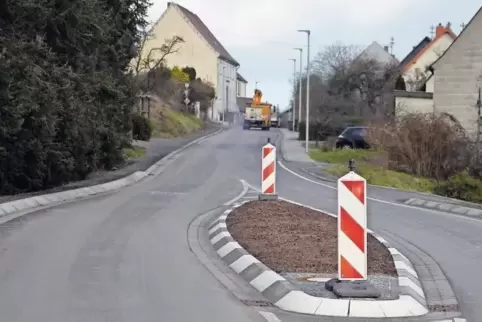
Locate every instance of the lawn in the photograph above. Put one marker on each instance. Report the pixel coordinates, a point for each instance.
(370, 165)
(170, 123)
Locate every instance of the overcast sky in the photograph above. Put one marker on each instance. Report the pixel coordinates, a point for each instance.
(260, 34)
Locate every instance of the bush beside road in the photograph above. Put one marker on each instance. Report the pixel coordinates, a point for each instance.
(140, 156)
(419, 152)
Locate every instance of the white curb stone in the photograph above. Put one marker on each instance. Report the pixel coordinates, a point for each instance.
(32, 203)
(285, 296)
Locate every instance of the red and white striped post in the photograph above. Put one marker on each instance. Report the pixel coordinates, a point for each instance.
(352, 227)
(268, 172)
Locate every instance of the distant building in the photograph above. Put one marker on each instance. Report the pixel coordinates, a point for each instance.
(458, 76)
(200, 50)
(241, 86)
(378, 53)
(415, 66)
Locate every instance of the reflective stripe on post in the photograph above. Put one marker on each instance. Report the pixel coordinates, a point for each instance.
(268, 173)
(352, 227)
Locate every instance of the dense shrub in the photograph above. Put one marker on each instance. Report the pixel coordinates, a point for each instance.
(65, 97)
(461, 186)
(141, 127)
(191, 71)
(178, 75)
(426, 145)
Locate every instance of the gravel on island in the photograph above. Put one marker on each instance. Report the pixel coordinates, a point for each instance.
(291, 238)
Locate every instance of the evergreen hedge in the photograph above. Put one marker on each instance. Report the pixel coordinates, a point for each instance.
(65, 93)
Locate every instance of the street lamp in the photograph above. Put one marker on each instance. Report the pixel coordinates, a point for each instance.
(294, 93)
(301, 83)
(224, 95)
(307, 125)
(256, 84)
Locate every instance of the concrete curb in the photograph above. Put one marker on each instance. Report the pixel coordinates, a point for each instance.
(52, 199)
(447, 207)
(286, 296)
(317, 176)
(283, 148)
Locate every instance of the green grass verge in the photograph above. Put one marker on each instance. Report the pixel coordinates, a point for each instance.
(383, 177)
(173, 123)
(374, 174)
(133, 152)
(342, 156)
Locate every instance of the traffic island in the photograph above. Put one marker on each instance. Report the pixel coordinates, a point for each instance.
(288, 252)
(301, 245)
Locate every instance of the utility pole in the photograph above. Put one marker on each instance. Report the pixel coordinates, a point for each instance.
(294, 93)
(224, 95)
(307, 125)
(479, 125)
(301, 86)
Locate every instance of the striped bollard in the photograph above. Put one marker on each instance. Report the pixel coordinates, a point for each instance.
(352, 227)
(268, 173)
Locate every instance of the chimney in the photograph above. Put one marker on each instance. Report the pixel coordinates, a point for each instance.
(440, 30)
(385, 47)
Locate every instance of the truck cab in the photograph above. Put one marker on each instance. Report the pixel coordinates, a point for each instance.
(258, 114)
(275, 121)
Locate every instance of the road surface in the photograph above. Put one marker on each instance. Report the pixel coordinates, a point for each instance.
(125, 257)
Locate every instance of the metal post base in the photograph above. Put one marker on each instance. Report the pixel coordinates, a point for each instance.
(265, 197)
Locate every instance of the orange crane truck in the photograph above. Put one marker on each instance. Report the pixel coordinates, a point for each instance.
(258, 114)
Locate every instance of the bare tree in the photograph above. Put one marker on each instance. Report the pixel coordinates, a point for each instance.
(149, 63)
(335, 60)
(357, 84)
(156, 55)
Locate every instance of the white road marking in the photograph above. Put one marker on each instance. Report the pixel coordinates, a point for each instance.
(245, 190)
(270, 317)
(433, 211)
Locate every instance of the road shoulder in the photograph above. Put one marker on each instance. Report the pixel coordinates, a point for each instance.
(45, 199)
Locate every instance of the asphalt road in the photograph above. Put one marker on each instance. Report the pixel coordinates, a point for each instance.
(125, 257)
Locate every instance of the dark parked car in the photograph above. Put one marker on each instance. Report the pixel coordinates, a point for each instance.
(353, 138)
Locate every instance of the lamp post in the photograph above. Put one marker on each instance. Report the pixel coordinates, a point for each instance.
(294, 92)
(301, 84)
(307, 125)
(224, 94)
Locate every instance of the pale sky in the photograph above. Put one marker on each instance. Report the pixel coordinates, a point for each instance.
(260, 34)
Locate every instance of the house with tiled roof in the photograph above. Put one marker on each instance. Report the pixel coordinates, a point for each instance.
(241, 83)
(415, 66)
(201, 50)
(457, 76)
(414, 52)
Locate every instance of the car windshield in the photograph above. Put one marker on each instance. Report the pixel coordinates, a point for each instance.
(354, 131)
